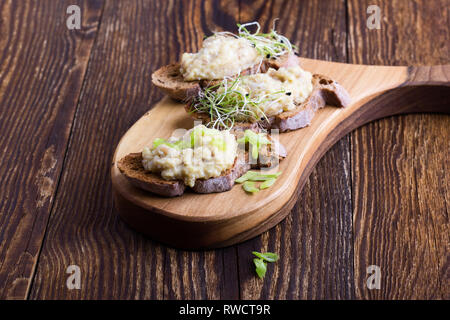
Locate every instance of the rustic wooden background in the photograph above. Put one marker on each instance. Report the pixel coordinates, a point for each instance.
(379, 196)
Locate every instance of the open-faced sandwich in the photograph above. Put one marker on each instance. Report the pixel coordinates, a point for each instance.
(224, 55)
(204, 160)
(238, 86)
(285, 98)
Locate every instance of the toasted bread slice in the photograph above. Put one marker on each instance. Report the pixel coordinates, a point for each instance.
(325, 91)
(170, 80)
(284, 61)
(131, 167)
(226, 181)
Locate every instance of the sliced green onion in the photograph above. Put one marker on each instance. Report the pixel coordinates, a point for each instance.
(246, 176)
(267, 256)
(249, 186)
(219, 143)
(267, 183)
(242, 140)
(255, 151)
(261, 267)
(256, 140)
(268, 176)
(179, 145)
(158, 141)
(256, 176)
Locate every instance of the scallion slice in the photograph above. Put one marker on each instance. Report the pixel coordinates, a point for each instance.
(249, 186)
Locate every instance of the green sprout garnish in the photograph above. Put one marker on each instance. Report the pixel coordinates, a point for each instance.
(225, 104)
(269, 45)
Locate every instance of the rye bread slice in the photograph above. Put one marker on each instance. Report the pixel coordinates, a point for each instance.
(171, 82)
(266, 159)
(284, 61)
(325, 92)
(131, 167)
(226, 181)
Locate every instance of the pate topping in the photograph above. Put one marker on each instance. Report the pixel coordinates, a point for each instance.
(201, 153)
(275, 91)
(221, 56)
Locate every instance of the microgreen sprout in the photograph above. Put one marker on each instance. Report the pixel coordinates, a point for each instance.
(269, 45)
(225, 104)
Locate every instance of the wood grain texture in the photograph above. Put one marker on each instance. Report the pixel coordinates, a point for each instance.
(116, 262)
(400, 165)
(204, 274)
(315, 241)
(220, 219)
(40, 80)
(388, 165)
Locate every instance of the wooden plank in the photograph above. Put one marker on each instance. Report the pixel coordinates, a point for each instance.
(204, 274)
(134, 39)
(315, 241)
(42, 67)
(399, 165)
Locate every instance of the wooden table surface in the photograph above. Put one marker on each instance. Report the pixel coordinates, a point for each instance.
(380, 196)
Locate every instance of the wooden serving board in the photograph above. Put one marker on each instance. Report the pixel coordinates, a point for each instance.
(216, 220)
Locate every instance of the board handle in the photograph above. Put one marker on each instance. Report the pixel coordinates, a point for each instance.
(427, 89)
(428, 75)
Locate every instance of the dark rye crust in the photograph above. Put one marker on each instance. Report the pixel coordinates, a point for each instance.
(171, 82)
(131, 167)
(226, 181)
(325, 92)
